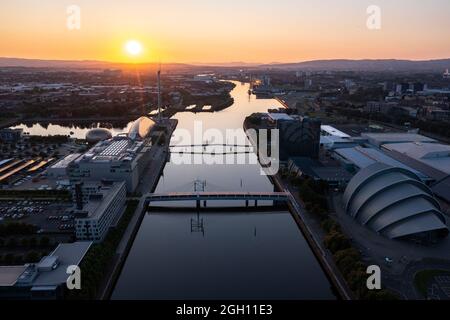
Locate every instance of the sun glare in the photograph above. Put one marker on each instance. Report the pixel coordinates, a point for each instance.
(133, 47)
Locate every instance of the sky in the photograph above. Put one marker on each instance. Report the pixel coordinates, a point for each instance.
(216, 31)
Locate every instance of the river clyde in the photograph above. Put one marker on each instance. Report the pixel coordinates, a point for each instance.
(220, 255)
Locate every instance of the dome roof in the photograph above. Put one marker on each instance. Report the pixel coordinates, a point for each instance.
(97, 135)
(393, 201)
(141, 128)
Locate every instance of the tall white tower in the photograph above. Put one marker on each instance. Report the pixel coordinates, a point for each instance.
(159, 93)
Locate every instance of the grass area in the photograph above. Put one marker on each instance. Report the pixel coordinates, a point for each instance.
(422, 279)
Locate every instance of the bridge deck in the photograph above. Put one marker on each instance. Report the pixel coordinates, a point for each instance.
(185, 196)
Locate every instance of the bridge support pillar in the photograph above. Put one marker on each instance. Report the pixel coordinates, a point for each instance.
(198, 204)
(246, 203)
(256, 203)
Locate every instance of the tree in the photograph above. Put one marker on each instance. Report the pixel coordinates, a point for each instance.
(11, 243)
(24, 242)
(32, 257)
(33, 242)
(336, 241)
(9, 258)
(44, 242)
(329, 225)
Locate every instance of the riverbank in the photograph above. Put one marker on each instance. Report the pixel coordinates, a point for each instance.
(148, 183)
(314, 235)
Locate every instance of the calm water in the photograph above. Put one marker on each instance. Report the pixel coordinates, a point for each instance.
(238, 255)
(74, 130)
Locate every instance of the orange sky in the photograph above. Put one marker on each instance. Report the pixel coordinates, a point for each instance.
(225, 31)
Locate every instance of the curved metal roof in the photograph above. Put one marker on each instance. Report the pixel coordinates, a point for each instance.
(98, 134)
(392, 201)
(141, 128)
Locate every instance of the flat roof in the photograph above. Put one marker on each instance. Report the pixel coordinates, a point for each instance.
(280, 116)
(68, 254)
(64, 163)
(333, 131)
(10, 274)
(396, 137)
(434, 155)
(96, 207)
(364, 157)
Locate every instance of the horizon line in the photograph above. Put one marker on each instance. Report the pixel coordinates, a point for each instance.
(236, 63)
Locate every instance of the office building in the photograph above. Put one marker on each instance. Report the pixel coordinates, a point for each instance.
(10, 135)
(299, 138)
(99, 209)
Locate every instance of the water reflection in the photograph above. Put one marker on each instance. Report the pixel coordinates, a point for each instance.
(231, 255)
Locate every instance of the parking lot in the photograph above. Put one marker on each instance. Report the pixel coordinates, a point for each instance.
(50, 217)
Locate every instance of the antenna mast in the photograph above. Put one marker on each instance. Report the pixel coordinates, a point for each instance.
(159, 93)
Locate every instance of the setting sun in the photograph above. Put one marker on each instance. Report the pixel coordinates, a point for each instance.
(133, 47)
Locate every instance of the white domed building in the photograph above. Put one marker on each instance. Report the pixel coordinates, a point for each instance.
(98, 134)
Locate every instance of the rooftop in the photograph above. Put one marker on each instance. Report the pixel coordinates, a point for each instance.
(434, 155)
(364, 157)
(50, 271)
(279, 116)
(63, 163)
(68, 254)
(98, 203)
(395, 137)
(332, 131)
(116, 149)
(9, 275)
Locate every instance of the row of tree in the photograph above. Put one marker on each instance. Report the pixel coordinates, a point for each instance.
(17, 228)
(19, 259)
(348, 260)
(100, 256)
(25, 242)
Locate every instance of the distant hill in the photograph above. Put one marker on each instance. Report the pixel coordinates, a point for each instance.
(83, 64)
(366, 65)
(332, 65)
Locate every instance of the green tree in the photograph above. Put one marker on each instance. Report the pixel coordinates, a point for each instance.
(336, 241)
(32, 257)
(44, 242)
(33, 242)
(24, 242)
(12, 243)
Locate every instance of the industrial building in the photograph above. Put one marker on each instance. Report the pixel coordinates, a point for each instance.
(357, 158)
(335, 176)
(121, 158)
(394, 202)
(98, 209)
(332, 138)
(45, 279)
(432, 158)
(379, 139)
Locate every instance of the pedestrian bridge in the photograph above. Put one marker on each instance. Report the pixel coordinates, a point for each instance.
(208, 196)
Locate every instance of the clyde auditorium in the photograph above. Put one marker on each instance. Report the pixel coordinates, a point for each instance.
(394, 203)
